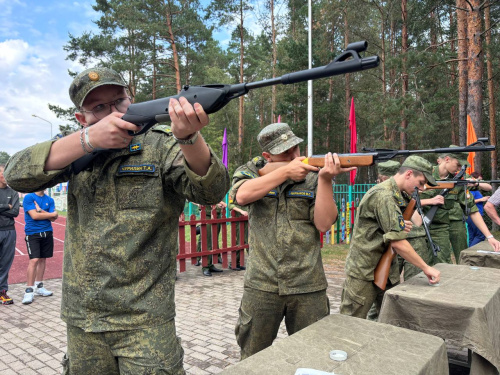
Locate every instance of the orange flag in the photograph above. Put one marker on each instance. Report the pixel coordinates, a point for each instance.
(471, 138)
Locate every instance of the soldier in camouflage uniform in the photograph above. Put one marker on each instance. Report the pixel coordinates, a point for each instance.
(122, 225)
(379, 223)
(416, 237)
(450, 163)
(287, 209)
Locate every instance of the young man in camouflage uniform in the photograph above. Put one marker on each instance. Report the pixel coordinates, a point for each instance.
(122, 226)
(287, 209)
(379, 223)
(450, 163)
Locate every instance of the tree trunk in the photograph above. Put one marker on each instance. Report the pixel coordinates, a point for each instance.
(241, 125)
(382, 62)
(462, 70)
(491, 92)
(347, 88)
(475, 71)
(392, 75)
(453, 79)
(174, 47)
(404, 73)
(273, 88)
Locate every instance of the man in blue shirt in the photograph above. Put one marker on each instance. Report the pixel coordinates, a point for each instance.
(39, 212)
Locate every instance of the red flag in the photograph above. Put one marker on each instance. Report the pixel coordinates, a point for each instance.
(471, 138)
(354, 138)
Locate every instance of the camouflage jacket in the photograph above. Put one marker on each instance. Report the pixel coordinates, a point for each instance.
(455, 202)
(122, 228)
(378, 222)
(286, 254)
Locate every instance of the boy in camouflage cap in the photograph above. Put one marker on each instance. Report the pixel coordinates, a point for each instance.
(287, 209)
(122, 225)
(380, 223)
(452, 208)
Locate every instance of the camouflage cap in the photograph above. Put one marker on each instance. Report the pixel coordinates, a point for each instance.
(90, 79)
(277, 138)
(418, 163)
(388, 168)
(460, 156)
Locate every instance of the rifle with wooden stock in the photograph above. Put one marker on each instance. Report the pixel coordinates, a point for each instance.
(371, 156)
(432, 211)
(381, 273)
(450, 184)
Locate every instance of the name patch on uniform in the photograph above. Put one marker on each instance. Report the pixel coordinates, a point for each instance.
(401, 222)
(147, 168)
(300, 194)
(272, 193)
(135, 147)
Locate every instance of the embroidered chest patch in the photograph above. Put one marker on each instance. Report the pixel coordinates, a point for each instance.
(300, 194)
(143, 168)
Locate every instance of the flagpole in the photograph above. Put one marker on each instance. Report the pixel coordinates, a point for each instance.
(309, 90)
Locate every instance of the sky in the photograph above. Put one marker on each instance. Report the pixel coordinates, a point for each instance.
(33, 66)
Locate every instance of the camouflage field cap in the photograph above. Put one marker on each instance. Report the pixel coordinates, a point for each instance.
(418, 163)
(277, 138)
(388, 168)
(90, 79)
(460, 156)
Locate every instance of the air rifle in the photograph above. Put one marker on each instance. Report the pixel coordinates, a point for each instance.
(432, 211)
(214, 97)
(368, 158)
(450, 184)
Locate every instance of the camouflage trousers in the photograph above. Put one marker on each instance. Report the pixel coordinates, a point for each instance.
(458, 237)
(155, 350)
(261, 313)
(441, 237)
(358, 296)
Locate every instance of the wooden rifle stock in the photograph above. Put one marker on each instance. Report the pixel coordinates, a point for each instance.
(381, 273)
(346, 161)
(441, 185)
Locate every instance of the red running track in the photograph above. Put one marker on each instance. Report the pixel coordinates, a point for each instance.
(53, 270)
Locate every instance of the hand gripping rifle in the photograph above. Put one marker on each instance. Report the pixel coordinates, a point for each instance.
(215, 96)
(365, 159)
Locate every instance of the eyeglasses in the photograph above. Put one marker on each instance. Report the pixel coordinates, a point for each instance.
(102, 110)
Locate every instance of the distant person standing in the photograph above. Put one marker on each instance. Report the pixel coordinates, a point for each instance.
(39, 212)
(9, 209)
(475, 235)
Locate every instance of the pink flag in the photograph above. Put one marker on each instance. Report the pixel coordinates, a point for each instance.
(354, 138)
